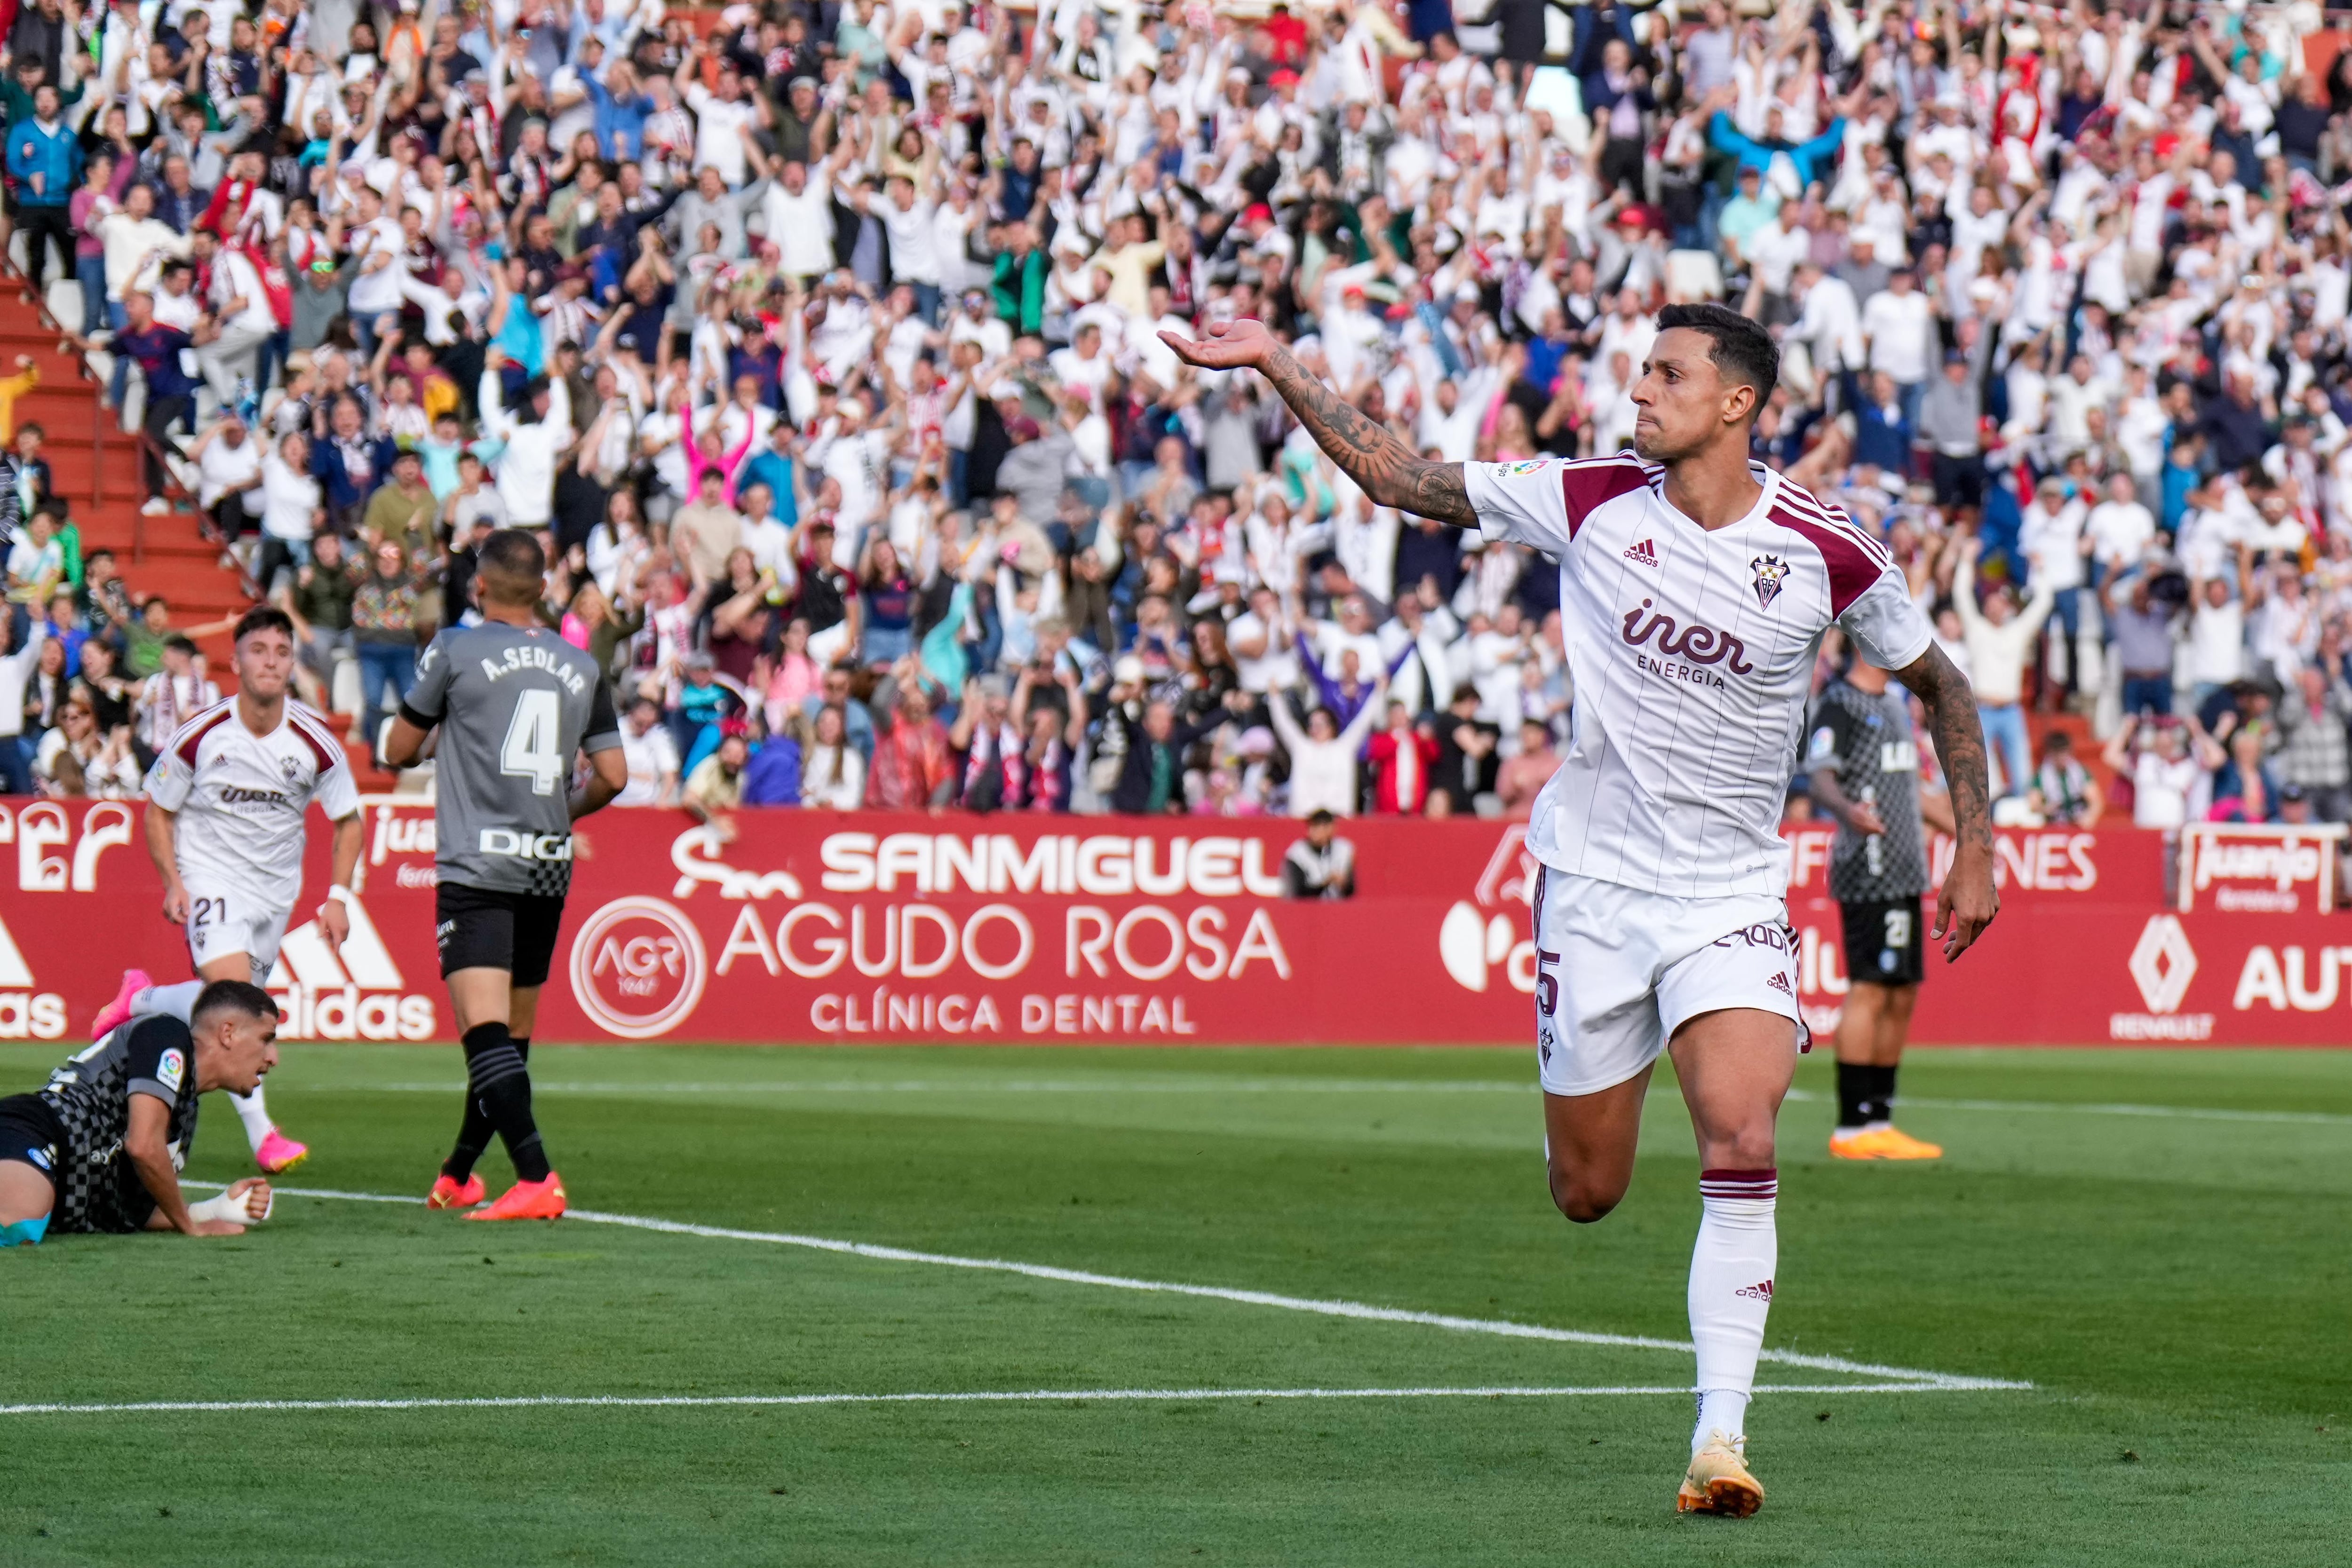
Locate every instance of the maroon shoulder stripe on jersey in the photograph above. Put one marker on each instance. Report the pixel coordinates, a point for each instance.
(323, 746)
(1596, 481)
(192, 734)
(1835, 517)
(1852, 570)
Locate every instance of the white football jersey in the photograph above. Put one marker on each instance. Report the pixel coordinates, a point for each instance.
(240, 797)
(1692, 653)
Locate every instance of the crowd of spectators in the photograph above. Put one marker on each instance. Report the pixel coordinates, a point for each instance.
(822, 341)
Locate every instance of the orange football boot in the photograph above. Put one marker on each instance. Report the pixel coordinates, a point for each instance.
(526, 1200)
(447, 1194)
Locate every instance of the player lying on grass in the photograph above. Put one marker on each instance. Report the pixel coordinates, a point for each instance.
(1696, 590)
(101, 1147)
(226, 801)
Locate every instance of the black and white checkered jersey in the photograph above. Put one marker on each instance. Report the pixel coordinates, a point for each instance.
(517, 704)
(1867, 740)
(98, 1188)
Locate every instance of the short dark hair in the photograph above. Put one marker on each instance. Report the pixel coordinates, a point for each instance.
(1322, 816)
(512, 567)
(515, 552)
(1742, 351)
(240, 997)
(263, 618)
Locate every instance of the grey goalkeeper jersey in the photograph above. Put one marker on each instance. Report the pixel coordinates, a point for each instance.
(1866, 739)
(517, 704)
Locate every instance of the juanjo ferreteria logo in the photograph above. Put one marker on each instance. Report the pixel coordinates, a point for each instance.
(638, 968)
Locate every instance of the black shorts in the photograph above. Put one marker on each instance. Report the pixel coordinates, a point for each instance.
(29, 1132)
(1885, 944)
(478, 928)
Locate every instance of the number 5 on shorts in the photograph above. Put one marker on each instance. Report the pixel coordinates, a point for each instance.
(530, 751)
(1546, 985)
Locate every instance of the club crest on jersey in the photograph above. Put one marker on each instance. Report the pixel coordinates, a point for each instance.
(291, 766)
(1771, 571)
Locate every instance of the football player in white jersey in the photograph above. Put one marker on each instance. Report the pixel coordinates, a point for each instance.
(1695, 589)
(227, 800)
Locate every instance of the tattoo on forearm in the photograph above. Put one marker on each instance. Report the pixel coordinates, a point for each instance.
(1386, 467)
(1959, 743)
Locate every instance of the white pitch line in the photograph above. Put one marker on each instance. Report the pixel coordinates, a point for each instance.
(1361, 1311)
(1015, 1087)
(1308, 1086)
(1028, 1396)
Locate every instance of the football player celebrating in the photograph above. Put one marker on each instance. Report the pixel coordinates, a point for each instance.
(1695, 589)
(226, 801)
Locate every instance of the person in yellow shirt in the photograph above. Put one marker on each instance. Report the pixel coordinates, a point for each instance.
(27, 377)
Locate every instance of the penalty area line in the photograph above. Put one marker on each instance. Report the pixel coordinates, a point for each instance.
(1026, 1396)
(1323, 1307)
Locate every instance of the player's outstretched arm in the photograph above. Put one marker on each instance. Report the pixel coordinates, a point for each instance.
(1391, 474)
(144, 1141)
(1969, 899)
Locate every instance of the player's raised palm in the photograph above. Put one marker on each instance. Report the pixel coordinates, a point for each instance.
(1228, 346)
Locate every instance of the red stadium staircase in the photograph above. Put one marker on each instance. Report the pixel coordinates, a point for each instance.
(94, 469)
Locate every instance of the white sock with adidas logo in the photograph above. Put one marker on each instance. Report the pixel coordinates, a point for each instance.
(1731, 1294)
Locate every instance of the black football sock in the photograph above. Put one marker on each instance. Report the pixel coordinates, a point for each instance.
(475, 1131)
(1854, 1083)
(500, 1084)
(1879, 1095)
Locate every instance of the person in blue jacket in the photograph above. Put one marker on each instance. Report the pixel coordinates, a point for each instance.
(44, 165)
(1806, 156)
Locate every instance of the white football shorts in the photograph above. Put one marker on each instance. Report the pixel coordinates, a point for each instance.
(223, 920)
(1618, 970)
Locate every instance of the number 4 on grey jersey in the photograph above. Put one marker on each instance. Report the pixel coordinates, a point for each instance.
(516, 706)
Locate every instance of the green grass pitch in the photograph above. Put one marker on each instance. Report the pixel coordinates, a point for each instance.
(2155, 1242)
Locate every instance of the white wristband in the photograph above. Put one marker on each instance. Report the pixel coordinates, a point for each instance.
(337, 892)
(236, 1210)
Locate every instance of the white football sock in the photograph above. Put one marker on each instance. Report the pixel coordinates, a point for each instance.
(256, 1117)
(179, 1001)
(1730, 1293)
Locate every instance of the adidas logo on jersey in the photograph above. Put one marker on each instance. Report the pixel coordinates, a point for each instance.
(1779, 983)
(1642, 555)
